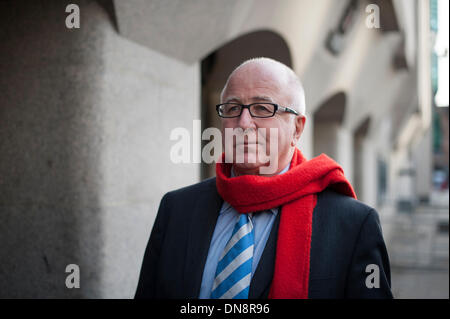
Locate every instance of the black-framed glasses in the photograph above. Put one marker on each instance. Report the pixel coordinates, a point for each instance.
(260, 110)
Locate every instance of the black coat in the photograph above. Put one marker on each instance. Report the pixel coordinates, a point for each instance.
(346, 238)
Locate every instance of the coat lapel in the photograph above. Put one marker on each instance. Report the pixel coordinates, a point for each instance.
(200, 234)
(261, 280)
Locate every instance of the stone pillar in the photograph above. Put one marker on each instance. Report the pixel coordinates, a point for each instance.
(369, 173)
(344, 151)
(50, 141)
(85, 123)
(336, 142)
(325, 134)
(422, 159)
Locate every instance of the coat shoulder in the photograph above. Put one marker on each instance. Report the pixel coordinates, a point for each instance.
(338, 207)
(207, 185)
(189, 196)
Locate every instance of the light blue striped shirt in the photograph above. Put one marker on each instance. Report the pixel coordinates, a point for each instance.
(262, 225)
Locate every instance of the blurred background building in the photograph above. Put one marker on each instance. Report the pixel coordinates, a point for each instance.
(86, 116)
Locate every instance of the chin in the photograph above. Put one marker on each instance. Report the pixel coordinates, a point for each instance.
(250, 163)
(247, 166)
(246, 169)
(245, 156)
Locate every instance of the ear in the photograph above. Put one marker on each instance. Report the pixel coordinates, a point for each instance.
(299, 126)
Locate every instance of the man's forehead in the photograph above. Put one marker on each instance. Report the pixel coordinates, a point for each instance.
(260, 82)
(253, 89)
(251, 81)
(254, 98)
(258, 72)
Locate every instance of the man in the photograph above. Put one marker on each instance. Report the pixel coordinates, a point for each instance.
(294, 232)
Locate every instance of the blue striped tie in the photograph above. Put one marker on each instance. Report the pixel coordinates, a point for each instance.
(234, 269)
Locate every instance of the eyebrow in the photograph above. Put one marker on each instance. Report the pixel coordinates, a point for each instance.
(254, 98)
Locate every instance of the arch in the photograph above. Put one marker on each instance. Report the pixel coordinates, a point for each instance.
(332, 109)
(216, 67)
(222, 61)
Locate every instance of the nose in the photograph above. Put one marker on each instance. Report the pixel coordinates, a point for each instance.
(246, 120)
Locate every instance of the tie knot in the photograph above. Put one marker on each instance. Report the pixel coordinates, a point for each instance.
(244, 219)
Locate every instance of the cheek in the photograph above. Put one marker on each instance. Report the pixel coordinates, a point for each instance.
(283, 134)
(284, 142)
(227, 123)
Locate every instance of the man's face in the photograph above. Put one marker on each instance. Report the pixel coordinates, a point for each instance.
(259, 83)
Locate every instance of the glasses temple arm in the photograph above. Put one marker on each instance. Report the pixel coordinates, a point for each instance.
(289, 110)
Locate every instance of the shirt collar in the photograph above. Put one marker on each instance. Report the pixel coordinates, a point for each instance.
(227, 206)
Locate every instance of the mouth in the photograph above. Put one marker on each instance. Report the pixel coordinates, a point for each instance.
(248, 144)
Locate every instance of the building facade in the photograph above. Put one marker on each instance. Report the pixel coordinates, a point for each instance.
(86, 116)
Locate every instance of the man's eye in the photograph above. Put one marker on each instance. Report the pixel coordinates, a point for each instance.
(233, 108)
(261, 108)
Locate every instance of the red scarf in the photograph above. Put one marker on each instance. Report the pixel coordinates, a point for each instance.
(296, 190)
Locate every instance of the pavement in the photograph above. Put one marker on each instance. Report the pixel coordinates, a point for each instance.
(418, 250)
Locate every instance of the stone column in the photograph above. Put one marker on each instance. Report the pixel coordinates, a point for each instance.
(85, 123)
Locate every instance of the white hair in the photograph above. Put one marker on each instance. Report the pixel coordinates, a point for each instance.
(296, 88)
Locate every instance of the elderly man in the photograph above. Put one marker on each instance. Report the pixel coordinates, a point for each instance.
(294, 232)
